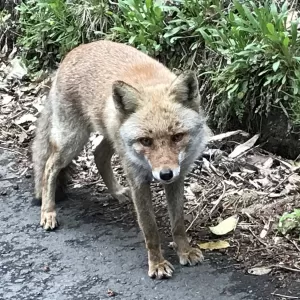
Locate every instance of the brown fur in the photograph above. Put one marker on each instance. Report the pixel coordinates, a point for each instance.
(128, 97)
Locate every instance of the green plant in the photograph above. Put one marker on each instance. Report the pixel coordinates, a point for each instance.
(141, 24)
(289, 222)
(166, 30)
(50, 28)
(259, 62)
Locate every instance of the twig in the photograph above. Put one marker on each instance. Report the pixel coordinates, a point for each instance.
(258, 238)
(85, 183)
(293, 242)
(285, 296)
(281, 182)
(286, 268)
(8, 178)
(11, 150)
(219, 200)
(192, 223)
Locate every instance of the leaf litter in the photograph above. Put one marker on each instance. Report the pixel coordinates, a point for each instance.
(235, 180)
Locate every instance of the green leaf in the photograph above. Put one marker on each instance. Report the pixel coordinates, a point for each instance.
(271, 28)
(294, 32)
(286, 41)
(276, 65)
(131, 40)
(70, 29)
(172, 32)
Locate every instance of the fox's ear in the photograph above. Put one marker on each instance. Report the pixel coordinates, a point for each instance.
(125, 97)
(186, 90)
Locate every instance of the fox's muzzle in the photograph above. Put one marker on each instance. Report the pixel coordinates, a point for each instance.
(166, 175)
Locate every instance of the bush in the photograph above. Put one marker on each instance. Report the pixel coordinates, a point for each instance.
(249, 54)
(259, 62)
(51, 28)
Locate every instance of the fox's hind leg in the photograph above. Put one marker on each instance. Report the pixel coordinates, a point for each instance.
(66, 142)
(103, 155)
(61, 137)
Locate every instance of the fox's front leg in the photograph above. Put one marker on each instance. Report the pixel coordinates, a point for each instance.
(103, 154)
(158, 266)
(186, 253)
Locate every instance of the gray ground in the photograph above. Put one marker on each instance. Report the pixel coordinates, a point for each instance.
(98, 248)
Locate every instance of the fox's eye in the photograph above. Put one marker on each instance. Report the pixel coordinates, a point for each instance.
(147, 142)
(177, 137)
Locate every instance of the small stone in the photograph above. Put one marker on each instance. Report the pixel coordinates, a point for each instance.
(27, 175)
(46, 268)
(111, 293)
(16, 187)
(3, 193)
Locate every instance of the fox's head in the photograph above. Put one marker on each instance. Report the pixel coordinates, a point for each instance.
(163, 130)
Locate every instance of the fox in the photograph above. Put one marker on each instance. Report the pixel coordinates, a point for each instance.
(149, 116)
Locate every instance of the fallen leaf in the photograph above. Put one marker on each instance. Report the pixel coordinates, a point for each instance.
(225, 135)
(231, 183)
(22, 137)
(259, 271)
(225, 226)
(206, 164)
(196, 188)
(31, 128)
(38, 107)
(26, 118)
(268, 163)
(244, 147)
(294, 179)
(6, 99)
(214, 245)
(18, 70)
(263, 181)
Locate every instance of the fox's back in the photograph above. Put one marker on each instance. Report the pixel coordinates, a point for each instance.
(89, 71)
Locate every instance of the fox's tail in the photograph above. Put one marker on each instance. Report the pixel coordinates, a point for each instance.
(41, 150)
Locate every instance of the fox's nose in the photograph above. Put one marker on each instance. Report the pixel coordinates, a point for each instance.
(166, 174)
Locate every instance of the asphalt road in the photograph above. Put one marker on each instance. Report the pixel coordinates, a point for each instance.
(98, 252)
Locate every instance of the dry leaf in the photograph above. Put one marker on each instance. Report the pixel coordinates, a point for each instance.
(26, 118)
(263, 182)
(244, 147)
(214, 245)
(196, 188)
(268, 163)
(31, 128)
(225, 226)
(206, 164)
(259, 271)
(294, 179)
(22, 137)
(225, 135)
(6, 99)
(18, 70)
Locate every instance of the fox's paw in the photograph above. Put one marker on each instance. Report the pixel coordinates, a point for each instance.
(48, 220)
(191, 257)
(123, 195)
(160, 270)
